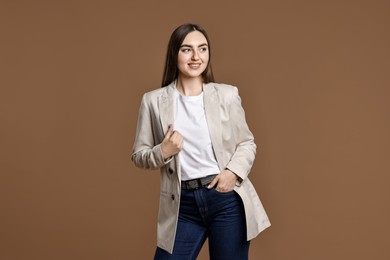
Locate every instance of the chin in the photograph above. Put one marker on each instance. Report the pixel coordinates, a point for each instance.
(195, 74)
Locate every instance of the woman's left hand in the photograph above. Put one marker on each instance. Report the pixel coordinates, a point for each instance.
(225, 181)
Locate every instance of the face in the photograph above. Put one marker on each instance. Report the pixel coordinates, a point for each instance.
(193, 55)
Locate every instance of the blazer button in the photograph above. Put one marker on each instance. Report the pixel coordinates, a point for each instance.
(173, 197)
(170, 170)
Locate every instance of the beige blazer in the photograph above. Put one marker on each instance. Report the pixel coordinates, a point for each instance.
(233, 146)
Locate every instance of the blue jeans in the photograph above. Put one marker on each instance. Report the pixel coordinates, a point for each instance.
(207, 213)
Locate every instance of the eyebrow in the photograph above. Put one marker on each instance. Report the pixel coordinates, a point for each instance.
(187, 45)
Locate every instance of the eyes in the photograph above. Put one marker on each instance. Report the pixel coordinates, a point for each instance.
(203, 49)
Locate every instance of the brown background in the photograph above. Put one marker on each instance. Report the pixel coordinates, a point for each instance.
(314, 78)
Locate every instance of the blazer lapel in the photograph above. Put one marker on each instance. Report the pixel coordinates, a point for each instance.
(166, 108)
(213, 117)
(165, 105)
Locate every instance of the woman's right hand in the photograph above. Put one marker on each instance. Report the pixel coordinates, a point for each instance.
(172, 143)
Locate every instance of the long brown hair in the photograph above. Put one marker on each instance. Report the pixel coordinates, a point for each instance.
(170, 70)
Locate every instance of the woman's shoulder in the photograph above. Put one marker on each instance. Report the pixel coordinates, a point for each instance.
(222, 88)
(155, 93)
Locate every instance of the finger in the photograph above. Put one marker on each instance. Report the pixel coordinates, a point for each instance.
(213, 183)
(169, 132)
(175, 138)
(175, 135)
(181, 143)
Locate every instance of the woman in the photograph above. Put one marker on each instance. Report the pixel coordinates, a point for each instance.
(194, 131)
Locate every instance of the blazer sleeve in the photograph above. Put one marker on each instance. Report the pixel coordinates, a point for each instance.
(242, 159)
(146, 154)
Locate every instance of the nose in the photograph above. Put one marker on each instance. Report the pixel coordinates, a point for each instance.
(195, 56)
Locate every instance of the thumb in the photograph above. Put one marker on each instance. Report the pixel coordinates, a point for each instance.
(214, 182)
(169, 132)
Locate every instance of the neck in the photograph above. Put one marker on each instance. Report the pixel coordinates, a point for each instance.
(189, 86)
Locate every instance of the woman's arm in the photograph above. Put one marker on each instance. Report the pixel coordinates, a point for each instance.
(243, 157)
(242, 160)
(146, 154)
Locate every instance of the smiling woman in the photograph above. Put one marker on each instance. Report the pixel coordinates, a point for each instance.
(176, 43)
(195, 132)
(193, 56)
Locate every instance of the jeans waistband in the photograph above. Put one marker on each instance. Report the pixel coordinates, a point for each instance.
(197, 183)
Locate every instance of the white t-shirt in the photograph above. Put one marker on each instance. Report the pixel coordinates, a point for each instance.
(197, 158)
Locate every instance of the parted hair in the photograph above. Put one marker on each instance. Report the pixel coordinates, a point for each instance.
(171, 70)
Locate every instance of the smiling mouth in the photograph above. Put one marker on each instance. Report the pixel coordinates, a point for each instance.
(194, 65)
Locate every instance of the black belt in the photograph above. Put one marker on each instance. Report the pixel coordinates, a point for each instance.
(197, 183)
